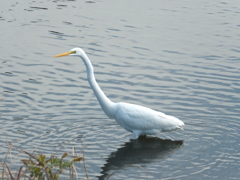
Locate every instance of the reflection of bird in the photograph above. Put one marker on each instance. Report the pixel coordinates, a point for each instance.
(137, 119)
(145, 150)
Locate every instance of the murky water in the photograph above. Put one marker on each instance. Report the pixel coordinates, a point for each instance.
(178, 57)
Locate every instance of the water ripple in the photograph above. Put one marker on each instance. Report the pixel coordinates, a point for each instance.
(184, 64)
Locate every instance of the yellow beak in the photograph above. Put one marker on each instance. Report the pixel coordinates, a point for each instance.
(64, 54)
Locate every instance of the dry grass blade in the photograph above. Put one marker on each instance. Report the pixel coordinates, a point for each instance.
(9, 171)
(4, 163)
(73, 167)
(62, 147)
(19, 173)
(5, 159)
(136, 165)
(84, 163)
(29, 154)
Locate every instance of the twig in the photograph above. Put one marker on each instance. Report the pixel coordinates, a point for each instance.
(5, 159)
(19, 173)
(84, 163)
(12, 178)
(73, 167)
(64, 145)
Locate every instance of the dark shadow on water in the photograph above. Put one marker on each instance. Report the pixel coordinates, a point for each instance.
(141, 151)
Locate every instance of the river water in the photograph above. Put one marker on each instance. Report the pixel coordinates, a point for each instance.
(179, 57)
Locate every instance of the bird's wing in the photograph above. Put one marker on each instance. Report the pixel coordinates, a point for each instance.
(138, 117)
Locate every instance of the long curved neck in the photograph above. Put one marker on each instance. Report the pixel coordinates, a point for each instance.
(106, 104)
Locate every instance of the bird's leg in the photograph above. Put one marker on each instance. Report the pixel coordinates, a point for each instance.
(135, 134)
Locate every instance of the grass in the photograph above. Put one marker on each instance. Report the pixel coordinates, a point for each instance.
(43, 167)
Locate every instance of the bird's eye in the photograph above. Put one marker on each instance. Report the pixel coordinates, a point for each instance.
(73, 52)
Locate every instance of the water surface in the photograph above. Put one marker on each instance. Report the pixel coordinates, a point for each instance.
(181, 58)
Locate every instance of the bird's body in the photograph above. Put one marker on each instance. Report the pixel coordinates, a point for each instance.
(142, 120)
(134, 118)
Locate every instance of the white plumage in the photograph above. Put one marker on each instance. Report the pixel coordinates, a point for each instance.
(137, 119)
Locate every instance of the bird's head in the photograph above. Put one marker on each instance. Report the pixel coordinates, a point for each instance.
(72, 52)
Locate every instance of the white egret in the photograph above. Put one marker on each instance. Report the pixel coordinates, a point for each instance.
(134, 118)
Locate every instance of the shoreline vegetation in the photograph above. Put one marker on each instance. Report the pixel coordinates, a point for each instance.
(38, 166)
(46, 167)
